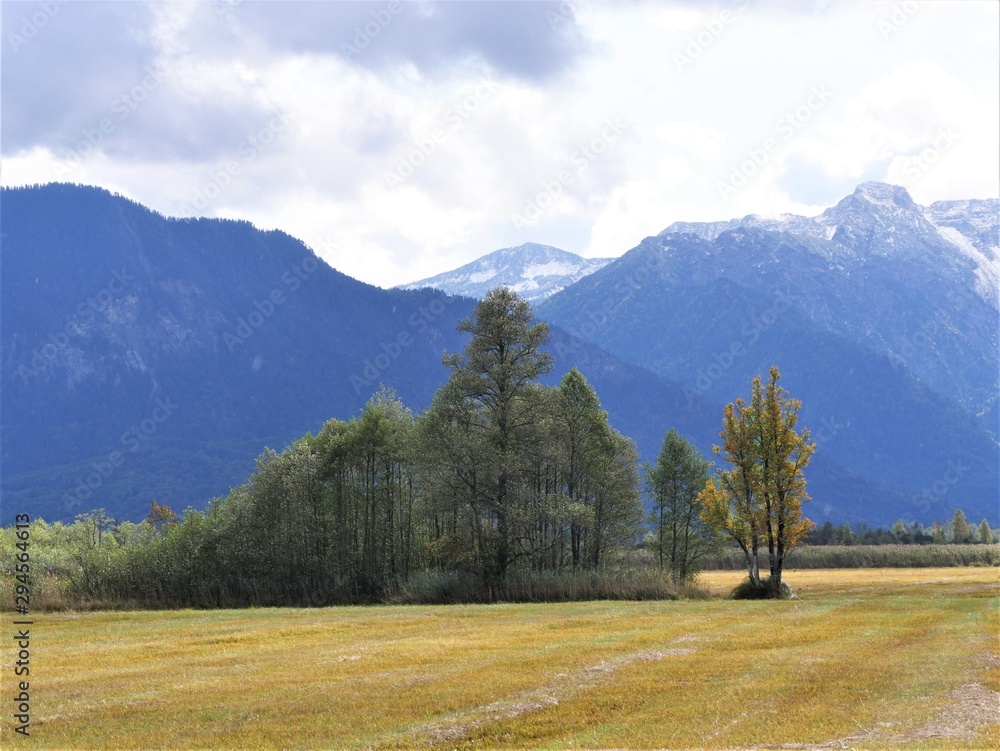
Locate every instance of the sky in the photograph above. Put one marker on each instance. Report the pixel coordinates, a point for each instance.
(403, 139)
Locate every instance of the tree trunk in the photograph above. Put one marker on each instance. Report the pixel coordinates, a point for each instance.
(777, 564)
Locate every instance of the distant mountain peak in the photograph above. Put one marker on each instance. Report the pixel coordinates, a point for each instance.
(532, 270)
(884, 195)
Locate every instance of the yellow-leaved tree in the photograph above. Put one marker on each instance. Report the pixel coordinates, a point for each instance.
(759, 501)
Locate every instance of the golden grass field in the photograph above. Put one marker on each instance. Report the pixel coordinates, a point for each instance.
(885, 658)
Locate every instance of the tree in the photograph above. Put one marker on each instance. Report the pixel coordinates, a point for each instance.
(596, 467)
(501, 361)
(617, 506)
(847, 536)
(760, 500)
(826, 533)
(161, 517)
(454, 465)
(985, 533)
(937, 534)
(730, 502)
(582, 432)
(959, 528)
(899, 531)
(681, 472)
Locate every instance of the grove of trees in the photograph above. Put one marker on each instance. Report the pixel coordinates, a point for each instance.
(500, 473)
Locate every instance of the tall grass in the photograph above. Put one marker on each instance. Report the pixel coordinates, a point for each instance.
(423, 588)
(637, 579)
(868, 556)
(639, 583)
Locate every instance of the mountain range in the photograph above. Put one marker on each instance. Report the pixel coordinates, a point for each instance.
(150, 358)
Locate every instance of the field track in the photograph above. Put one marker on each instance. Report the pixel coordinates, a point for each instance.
(885, 658)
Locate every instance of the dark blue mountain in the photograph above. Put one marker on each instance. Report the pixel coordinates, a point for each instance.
(151, 358)
(881, 314)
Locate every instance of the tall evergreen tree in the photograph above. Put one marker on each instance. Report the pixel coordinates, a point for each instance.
(985, 535)
(502, 359)
(960, 531)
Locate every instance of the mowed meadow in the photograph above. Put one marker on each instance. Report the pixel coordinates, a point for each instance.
(866, 658)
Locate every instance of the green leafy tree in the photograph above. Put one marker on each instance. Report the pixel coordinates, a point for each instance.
(899, 531)
(937, 534)
(597, 467)
(454, 467)
(582, 433)
(673, 485)
(617, 508)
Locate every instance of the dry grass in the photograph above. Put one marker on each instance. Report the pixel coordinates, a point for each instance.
(867, 659)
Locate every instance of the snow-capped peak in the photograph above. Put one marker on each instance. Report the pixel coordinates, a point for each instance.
(884, 195)
(532, 270)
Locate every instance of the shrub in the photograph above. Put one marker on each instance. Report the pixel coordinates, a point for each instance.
(747, 591)
(439, 588)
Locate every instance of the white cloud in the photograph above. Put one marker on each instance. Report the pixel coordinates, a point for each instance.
(474, 160)
(699, 141)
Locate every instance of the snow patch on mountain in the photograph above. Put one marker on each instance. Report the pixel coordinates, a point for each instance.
(533, 271)
(987, 266)
(479, 277)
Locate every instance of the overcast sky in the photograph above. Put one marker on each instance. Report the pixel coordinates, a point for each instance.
(402, 139)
